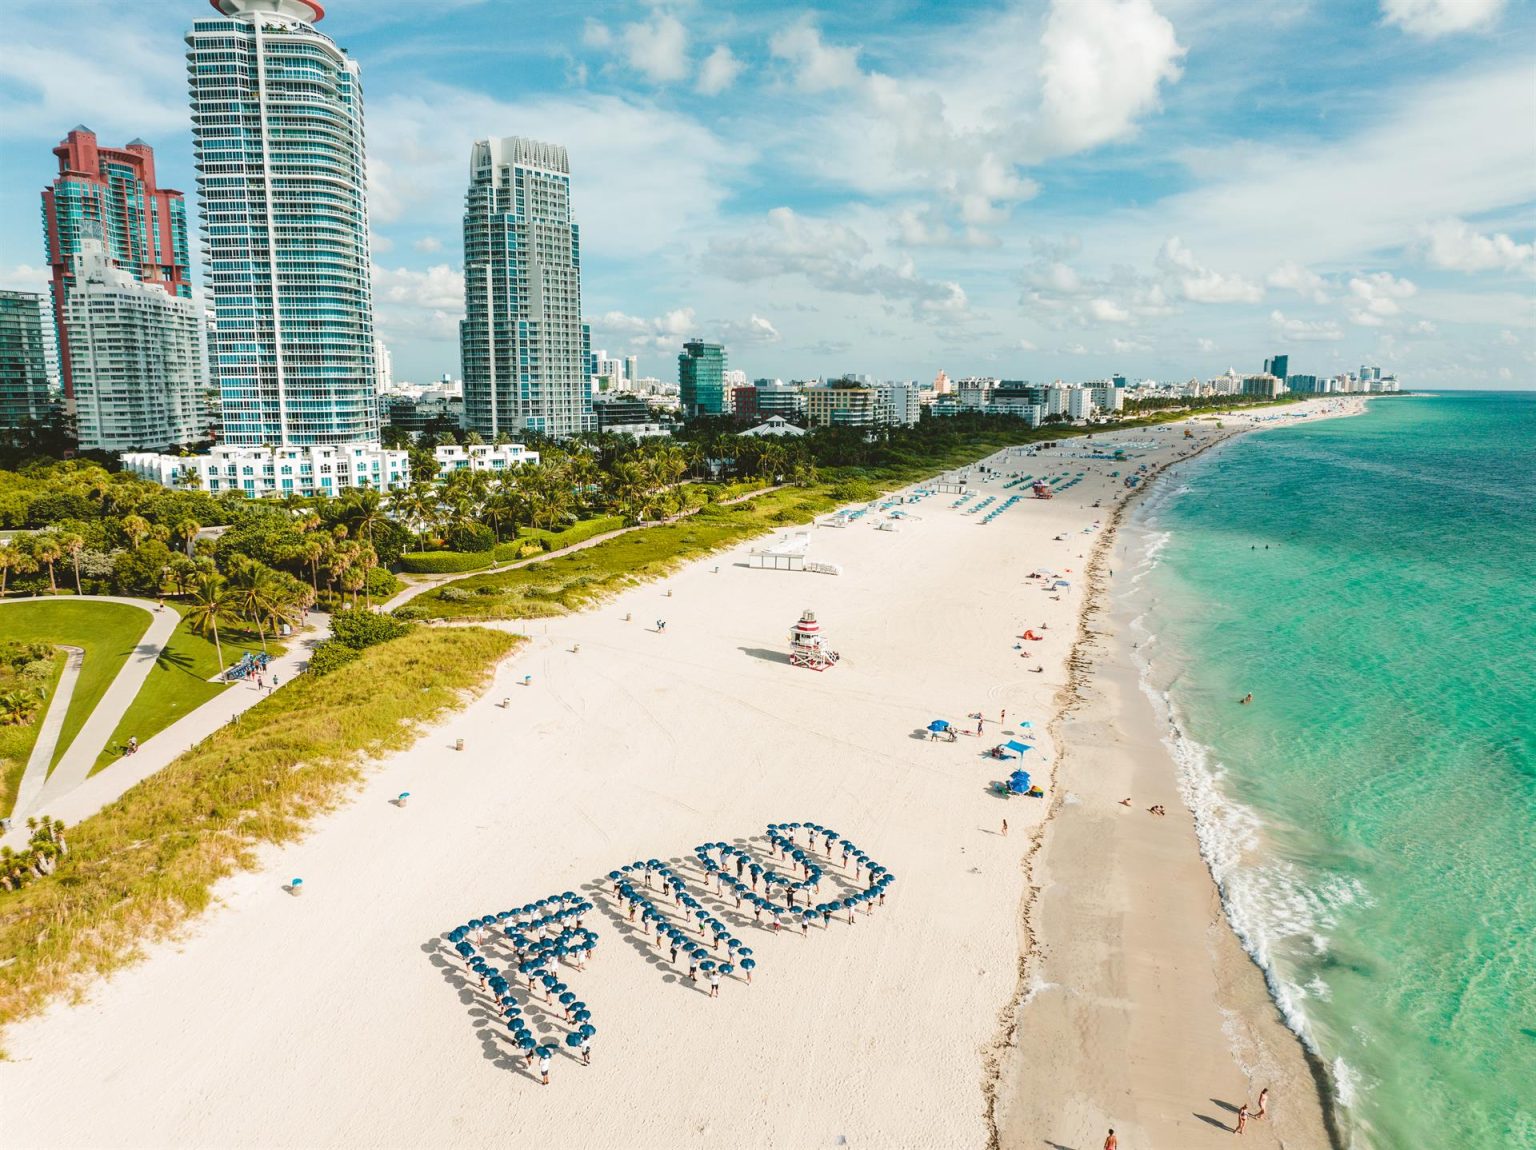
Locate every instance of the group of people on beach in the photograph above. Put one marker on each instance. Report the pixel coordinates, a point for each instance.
(551, 932)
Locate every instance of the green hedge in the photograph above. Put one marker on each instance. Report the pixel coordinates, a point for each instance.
(576, 533)
(444, 562)
(518, 549)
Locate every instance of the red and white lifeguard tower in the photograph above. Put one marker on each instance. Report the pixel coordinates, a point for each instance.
(807, 646)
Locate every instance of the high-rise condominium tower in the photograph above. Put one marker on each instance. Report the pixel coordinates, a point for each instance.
(110, 194)
(23, 364)
(277, 113)
(523, 346)
(138, 357)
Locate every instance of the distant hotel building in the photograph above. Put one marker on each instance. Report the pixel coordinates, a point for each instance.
(524, 347)
(110, 195)
(24, 394)
(277, 111)
(483, 457)
(137, 355)
(701, 378)
(260, 472)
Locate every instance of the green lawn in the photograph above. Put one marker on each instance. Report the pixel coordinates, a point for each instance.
(179, 683)
(16, 741)
(106, 632)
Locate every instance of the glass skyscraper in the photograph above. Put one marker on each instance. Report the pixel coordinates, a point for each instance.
(23, 366)
(524, 347)
(701, 378)
(277, 112)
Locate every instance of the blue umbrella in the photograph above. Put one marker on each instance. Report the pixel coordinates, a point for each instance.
(938, 725)
(573, 1040)
(588, 1030)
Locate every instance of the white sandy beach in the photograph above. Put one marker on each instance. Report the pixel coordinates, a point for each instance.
(342, 1018)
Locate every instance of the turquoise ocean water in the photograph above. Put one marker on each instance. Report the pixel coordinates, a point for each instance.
(1371, 817)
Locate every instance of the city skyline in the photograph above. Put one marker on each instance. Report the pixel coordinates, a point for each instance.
(1022, 190)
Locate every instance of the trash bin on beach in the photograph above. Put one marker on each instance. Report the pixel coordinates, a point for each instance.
(458, 744)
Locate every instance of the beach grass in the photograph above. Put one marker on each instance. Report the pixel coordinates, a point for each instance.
(179, 683)
(106, 632)
(18, 739)
(138, 869)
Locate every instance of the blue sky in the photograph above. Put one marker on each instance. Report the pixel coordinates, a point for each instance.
(1037, 189)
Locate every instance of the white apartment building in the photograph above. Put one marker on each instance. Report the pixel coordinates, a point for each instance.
(483, 457)
(1079, 402)
(898, 403)
(137, 358)
(262, 472)
(1107, 397)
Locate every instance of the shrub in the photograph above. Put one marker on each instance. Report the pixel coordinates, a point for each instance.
(454, 595)
(471, 538)
(490, 590)
(359, 629)
(381, 584)
(409, 613)
(330, 656)
(444, 562)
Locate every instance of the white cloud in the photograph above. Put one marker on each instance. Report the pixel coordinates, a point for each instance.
(754, 330)
(658, 48)
(1453, 245)
(1025, 345)
(1373, 299)
(438, 287)
(595, 34)
(719, 71)
(1208, 345)
(1199, 283)
(1304, 331)
(634, 333)
(832, 257)
(1107, 311)
(417, 169)
(423, 304)
(818, 67)
(1104, 62)
(68, 84)
(1431, 18)
(428, 244)
(1124, 346)
(1291, 276)
(25, 277)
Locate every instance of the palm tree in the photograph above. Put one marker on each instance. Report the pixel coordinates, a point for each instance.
(362, 510)
(210, 603)
(185, 532)
(252, 592)
(46, 549)
(13, 559)
(136, 527)
(72, 544)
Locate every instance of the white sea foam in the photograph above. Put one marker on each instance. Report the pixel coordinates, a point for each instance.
(1036, 986)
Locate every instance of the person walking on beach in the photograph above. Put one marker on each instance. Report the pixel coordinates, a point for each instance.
(1005, 828)
(1111, 1142)
(1242, 1119)
(714, 983)
(1263, 1103)
(544, 1065)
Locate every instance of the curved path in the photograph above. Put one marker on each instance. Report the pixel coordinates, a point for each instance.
(36, 774)
(432, 582)
(107, 784)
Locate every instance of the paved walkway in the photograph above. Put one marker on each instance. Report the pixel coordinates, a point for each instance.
(52, 726)
(156, 752)
(80, 755)
(432, 582)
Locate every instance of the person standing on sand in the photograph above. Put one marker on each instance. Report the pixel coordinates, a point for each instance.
(1242, 1119)
(1263, 1103)
(544, 1064)
(1005, 828)
(1111, 1142)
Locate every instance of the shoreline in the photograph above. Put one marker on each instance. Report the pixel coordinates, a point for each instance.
(1104, 725)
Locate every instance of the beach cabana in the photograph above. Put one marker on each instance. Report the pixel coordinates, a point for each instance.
(784, 554)
(1015, 745)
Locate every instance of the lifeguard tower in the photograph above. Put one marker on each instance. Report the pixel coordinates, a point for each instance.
(807, 645)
